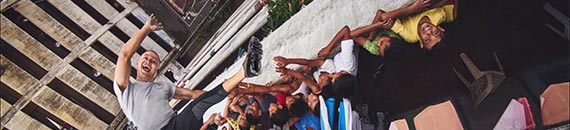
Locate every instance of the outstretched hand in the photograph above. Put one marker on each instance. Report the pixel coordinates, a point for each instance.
(281, 69)
(420, 5)
(153, 24)
(387, 24)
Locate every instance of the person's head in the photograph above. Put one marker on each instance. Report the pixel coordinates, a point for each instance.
(243, 123)
(344, 85)
(298, 108)
(278, 115)
(323, 79)
(389, 48)
(253, 113)
(430, 34)
(313, 103)
(147, 66)
(290, 99)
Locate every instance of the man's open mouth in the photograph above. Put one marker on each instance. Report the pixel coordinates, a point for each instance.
(146, 68)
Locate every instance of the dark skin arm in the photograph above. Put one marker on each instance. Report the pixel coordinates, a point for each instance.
(310, 83)
(255, 88)
(418, 6)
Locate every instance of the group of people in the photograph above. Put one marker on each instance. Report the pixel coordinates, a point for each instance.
(293, 102)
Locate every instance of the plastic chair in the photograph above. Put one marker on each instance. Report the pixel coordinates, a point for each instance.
(485, 81)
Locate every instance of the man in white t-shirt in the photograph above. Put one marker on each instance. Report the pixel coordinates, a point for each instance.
(146, 102)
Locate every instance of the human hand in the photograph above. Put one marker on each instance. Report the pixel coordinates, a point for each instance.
(387, 24)
(323, 53)
(282, 70)
(420, 5)
(269, 84)
(281, 61)
(336, 75)
(153, 24)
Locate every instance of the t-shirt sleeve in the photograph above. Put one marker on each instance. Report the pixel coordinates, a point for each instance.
(121, 95)
(171, 90)
(371, 47)
(448, 9)
(404, 32)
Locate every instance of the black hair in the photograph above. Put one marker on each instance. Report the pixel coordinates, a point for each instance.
(280, 117)
(395, 49)
(344, 86)
(317, 110)
(245, 127)
(327, 91)
(298, 108)
(438, 49)
(252, 119)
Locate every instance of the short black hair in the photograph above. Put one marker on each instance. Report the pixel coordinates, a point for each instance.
(252, 119)
(280, 117)
(327, 91)
(317, 110)
(395, 49)
(344, 86)
(298, 108)
(245, 127)
(438, 49)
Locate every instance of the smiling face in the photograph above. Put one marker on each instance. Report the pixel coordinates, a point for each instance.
(273, 107)
(312, 100)
(254, 109)
(147, 66)
(324, 79)
(383, 42)
(429, 34)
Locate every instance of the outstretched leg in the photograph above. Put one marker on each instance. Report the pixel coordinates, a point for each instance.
(343, 34)
(282, 61)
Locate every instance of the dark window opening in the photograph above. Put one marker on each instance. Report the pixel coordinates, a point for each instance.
(116, 5)
(37, 33)
(80, 100)
(21, 60)
(42, 115)
(93, 74)
(91, 11)
(8, 94)
(106, 52)
(63, 20)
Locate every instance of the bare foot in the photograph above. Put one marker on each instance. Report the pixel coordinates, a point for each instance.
(129, 1)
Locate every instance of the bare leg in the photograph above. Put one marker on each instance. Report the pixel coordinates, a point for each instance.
(233, 82)
(311, 63)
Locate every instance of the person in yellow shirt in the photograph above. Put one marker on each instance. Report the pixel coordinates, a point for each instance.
(422, 27)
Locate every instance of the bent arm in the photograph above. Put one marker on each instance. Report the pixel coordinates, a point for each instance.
(417, 6)
(310, 83)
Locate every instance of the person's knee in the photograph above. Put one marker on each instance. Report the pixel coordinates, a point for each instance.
(346, 33)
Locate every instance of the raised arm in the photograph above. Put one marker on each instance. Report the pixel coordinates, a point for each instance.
(123, 68)
(417, 6)
(310, 83)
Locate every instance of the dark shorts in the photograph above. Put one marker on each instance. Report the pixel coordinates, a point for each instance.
(190, 118)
